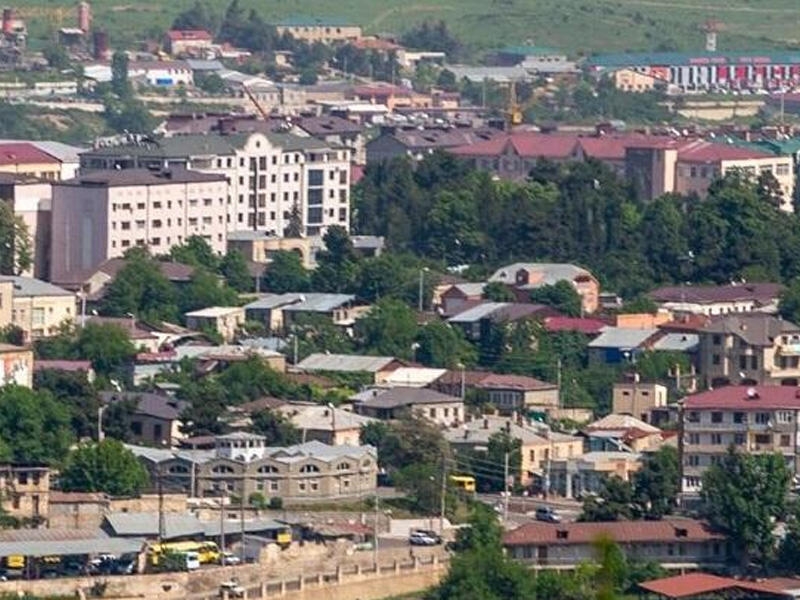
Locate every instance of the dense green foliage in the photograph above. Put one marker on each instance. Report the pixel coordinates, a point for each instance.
(15, 242)
(76, 394)
(107, 467)
(34, 426)
(278, 430)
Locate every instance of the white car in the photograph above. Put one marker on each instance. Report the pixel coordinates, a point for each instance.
(420, 539)
(229, 558)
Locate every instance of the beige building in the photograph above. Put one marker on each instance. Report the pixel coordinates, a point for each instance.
(242, 464)
(39, 308)
(24, 491)
(258, 247)
(749, 349)
(326, 424)
(16, 366)
(759, 419)
(100, 215)
(510, 393)
(638, 399)
(225, 320)
(572, 477)
(6, 301)
(539, 446)
(629, 80)
(25, 159)
(312, 30)
(30, 199)
(393, 403)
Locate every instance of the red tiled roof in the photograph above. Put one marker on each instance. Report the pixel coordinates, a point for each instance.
(21, 153)
(690, 584)
(700, 151)
(742, 397)
(512, 382)
(62, 365)
(610, 147)
(375, 44)
(189, 35)
(620, 531)
(586, 326)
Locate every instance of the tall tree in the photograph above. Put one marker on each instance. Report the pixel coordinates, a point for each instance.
(444, 346)
(614, 502)
(107, 467)
(140, 289)
(195, 251)
(337, 265)
(15, 242)
(34, 427)
(120, 82)
(278, 430)
(76, 393)
(561, 296)
(389, 329)
(234, 268)
(199, 16)
(657, 483)
(109, 347)
(286, 273)
(742, 495)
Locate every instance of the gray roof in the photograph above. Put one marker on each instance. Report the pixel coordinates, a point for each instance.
(620, 337)
(319, 417)
(247, 235)
(204, 65)
(241, 435)
(154, 405)
(677, 342)
(549, 273)
(499, 74)
(271, 301)
(401, 396)
(478, 431)
(94, 546)
(145, 524)
(321, 451)
(177, 146)
(290, 142)
(321, 303)
(476, 313)
(28, 286)
(158, 455)
(213, 528)
(757, 329)
(471, 289)
(126, 177)
(347, 363)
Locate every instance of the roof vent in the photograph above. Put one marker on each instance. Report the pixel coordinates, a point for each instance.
(562, 534)
(681, 532)
(752, 393)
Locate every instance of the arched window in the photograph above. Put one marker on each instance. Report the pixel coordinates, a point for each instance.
(343, 466)
(222, 469)
(178, 469)
(267, 469)
(309, 469)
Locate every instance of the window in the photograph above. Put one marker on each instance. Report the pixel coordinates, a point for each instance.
(156, 224)
(314, 197)
(37, 316)
(762, 418)
(309, 469)
(716, 417)
(432, 413)
(763, 438)
(782, 169)
(739, 417)
(315, 214)
(786, 440)
(784, 416)
(222, 469)
(693, 417)
(268, 469)
(136, 427)
(715, 359)
(343, 466)
(157, 431)
(739, 439)
(125, 225)
(315, 177)
(716, 439)
(742, 362)
(694, 438)
(693, 460)
(716, 340)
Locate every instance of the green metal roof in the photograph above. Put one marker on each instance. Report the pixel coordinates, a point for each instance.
(531, 51)
(692, 58)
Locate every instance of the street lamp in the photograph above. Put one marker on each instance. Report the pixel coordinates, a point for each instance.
(420, 298)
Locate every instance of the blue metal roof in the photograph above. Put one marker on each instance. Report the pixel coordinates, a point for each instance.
(692, 58)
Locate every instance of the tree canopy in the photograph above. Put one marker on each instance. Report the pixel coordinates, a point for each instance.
(107, 467)
(34, 426)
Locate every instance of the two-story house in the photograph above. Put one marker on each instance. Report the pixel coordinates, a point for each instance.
(509, 393)
(24, 491)
(758, 420)
(749, 349)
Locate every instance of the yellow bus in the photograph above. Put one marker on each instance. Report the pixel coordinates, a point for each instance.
(465, 483)
(207, 552)
(283, 537)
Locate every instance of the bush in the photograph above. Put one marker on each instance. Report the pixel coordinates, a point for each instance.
(257, 500)
(276, 503)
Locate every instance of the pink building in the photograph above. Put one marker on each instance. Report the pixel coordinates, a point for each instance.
(101, 214)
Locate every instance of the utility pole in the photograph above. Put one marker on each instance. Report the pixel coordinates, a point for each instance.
(241, 515)
(295, 347)
(558, 379)
(221, 528)
(160, 506)
(463, 383)
(375, 534)
(421, 285)
(507, 490)
(443, 499)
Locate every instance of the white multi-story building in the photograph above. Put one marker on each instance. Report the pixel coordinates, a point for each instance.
(270, 175)
(100, 215)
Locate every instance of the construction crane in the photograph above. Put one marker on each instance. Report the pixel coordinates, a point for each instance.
(250, 96)
(513, 110)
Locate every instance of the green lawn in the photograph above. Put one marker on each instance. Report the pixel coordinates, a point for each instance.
(580, 26)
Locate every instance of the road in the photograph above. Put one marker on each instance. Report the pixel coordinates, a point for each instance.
(521, 508)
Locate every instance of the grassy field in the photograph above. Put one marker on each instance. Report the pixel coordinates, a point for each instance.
(580, 26)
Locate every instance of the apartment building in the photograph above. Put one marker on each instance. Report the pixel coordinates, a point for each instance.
(25, 159)
(637, 398)
(719, 299)
(30, 200)
(759, 419)
(749, 349)
(39, 308)
(271, 176)
(101, 214)
(327, 31)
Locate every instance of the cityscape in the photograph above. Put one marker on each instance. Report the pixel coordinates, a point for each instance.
(498, 301)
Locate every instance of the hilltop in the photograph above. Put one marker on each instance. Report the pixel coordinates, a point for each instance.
(580, 26)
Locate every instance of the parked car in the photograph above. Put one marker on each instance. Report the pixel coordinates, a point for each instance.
(547, 514)
(429, 533)
(419, 539)
(229, 558)
(233, 589)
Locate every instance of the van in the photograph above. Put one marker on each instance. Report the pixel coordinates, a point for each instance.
(192, 561)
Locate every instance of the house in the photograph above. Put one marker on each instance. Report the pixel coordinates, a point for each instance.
(719, 299)
(39, 308)
(326, 424)
(509, 393)
(318, 29)
(588, 327)
(68, 366)
(24, 492)
(377, 368)
(416, 144)
(529, 276)
(675, 544)
(156, 418)
(242, 464)
(30, 199)
(209, 357)
(224, 320)
(638, 399)
(539, 445)
(22, 158)
(413, 377)
(162, 73)
(586, 474)
(336, 131)
(617, 344)
(749, 349)
(387, 404)
(477, 321)
(760, 419)
(630, 80)
(16, 365)
(457, 382)
(194, 42)
(621, 433)
(460, 297)
(144, 340)
(341, 309)
(101, 214)
(696, 585)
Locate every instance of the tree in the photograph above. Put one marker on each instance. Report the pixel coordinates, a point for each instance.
(613, 503)
(199, 16)
(120, 83)
(118, 419)
(15, 242)
(789, 547)
(128, 115)
(211, 83)
(141, 289)
(657, 483)
(234, 268)
(206, 289)
(74, 391)
(286, 273)
(12, 334)
(444, 346)
(389, 329)
(498, 292)
(34, 427)
(107, 467)
(196, 251)
(789, 303)
(278, 430)
(489, 466)
(741, 496)
(109, 347)
(56, 56)
(308, 77)
(561, 296)
(409, 440)
(337, 265)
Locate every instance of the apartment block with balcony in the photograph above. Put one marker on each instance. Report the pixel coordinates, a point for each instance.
(749, 349)
(38, 308)
(102, 214)
(274, 179)
(756, 419)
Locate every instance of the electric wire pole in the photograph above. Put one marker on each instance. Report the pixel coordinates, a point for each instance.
(507, 491)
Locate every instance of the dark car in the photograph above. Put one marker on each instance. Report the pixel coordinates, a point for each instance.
(429, 533)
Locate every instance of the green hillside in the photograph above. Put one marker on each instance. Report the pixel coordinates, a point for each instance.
(581, 26)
